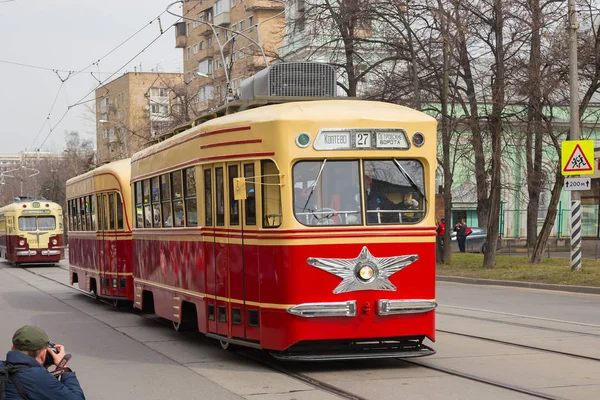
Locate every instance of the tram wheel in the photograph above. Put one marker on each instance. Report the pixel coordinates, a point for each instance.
(224, 344)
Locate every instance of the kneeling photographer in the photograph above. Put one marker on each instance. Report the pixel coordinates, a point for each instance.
(25, 375)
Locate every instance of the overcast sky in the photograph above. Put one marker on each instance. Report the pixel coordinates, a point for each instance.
(70, 35)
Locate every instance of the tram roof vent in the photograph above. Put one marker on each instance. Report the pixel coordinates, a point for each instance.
(291, 79)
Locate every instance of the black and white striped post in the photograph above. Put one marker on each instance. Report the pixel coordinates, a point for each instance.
(574, 135)
(575, 235)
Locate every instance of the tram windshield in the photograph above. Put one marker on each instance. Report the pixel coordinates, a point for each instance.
(334, 192)
(35, 223)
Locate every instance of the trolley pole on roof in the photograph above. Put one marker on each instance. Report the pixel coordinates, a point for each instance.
(574, 135)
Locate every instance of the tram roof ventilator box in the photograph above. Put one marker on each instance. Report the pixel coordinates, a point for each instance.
(302, 79)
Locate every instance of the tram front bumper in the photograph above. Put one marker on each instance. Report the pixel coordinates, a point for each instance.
(51, 252)
(26, 253)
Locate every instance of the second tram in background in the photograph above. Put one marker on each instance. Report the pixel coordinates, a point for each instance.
(100, 254)
(31, 231)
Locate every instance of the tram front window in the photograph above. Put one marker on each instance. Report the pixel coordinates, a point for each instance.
(27, 224)
(329, 192)
(46, 223)
(394, 191)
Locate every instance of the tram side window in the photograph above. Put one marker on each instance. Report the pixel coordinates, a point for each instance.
(111, 211)
(83, 214)
(165, 196)
(119, 211)
(191, 206)
(234, 205)
(92, 213)
(100, 209)
(88, 217)
(147, 207)
(177, 192)
(71, 214)
(138, 205)
(251, 195)
(220, 189)
(155, 202)
(271, 195)
(78, 213)
(207, 197)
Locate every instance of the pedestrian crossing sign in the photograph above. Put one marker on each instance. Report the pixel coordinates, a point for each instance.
(577, 157)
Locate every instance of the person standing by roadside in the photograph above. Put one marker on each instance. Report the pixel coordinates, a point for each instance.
(461, 234)
(439, 240)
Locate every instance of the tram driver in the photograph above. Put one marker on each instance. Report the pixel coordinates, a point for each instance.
(380, 208)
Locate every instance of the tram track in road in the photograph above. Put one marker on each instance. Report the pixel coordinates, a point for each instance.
(316, 383)
(319, 384)
(485, 381)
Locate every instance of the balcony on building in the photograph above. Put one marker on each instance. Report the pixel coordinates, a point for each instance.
(251, 5)
(221, 17)
(180, 35)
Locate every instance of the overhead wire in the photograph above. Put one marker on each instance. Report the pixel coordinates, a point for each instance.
(82, 100)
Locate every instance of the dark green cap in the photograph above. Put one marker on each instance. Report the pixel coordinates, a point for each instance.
(30, 337)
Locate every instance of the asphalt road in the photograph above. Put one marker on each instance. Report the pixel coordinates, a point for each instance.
(121, 355)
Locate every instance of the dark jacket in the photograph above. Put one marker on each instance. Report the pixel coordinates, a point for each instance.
(461, 230)
(39, 384)
(378, 201)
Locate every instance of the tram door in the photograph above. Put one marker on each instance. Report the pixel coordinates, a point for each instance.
(210, 246)
(108, 254)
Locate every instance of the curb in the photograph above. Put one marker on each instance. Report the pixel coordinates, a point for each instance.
(529, 285)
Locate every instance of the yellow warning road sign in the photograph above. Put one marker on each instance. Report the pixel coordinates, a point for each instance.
(577, 157)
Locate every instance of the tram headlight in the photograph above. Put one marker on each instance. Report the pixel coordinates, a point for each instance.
(366, 273)
(418, 139)
(54, 242)
(21, 242)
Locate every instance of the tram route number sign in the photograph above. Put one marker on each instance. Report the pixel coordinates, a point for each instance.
(572, 184)
(351, 139)
(577, 157)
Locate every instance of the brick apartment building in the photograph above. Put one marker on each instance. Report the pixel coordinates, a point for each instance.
(221, 39)
(132, 109)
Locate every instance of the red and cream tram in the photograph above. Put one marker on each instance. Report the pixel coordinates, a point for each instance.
(303, 228)
(100, 247)
(31, 231)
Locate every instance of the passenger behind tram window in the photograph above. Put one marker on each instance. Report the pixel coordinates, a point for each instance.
(393, 191)
(377, 201)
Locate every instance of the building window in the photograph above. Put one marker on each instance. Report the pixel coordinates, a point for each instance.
(202, 45)
(206, 66)
(188, 54)
(187, 29)
(241, 26)
(234, 27)
(250, 23)
(196, 48)
(209, 42)
(233, 3)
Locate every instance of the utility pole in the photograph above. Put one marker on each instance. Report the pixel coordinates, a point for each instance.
(574, 135)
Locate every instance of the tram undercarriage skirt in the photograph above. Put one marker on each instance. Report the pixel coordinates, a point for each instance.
(349, 350)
